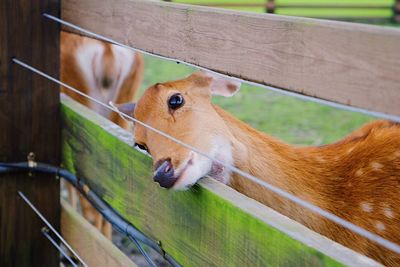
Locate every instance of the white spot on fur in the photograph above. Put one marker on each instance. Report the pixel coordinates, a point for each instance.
(359, 172)
(87, 55)
(124, 59)
(367, 207)
(388, 212)
(380, 226)
(89, 58)
(376, 166)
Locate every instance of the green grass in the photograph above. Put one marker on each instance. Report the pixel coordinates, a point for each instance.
(326, 12)
(320, 12)
(292, 120)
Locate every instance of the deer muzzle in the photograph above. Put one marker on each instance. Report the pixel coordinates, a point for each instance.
(164, 175)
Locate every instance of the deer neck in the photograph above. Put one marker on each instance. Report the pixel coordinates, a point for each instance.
(277, 163)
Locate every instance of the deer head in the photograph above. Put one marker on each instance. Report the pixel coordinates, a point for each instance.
(183, 110)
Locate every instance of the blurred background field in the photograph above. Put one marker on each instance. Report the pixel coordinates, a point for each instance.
(290, 119)
(310, 12)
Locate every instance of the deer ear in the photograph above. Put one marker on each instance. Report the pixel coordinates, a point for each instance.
(224, 87)
(126, 108)
(220, 85)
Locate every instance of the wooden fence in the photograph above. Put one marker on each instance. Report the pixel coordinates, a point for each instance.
(345, 63)
(213, 224)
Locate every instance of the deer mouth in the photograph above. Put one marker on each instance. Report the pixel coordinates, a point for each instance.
(179, 178)
(191, 171)
(197, 168)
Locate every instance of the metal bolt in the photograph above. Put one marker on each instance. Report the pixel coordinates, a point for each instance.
(31, 156)
(31, 160)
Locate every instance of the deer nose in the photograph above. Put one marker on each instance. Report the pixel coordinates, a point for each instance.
(164, 175)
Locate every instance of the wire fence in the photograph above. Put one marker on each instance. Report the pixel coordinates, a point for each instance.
(323, 213)
(112, 216)
(330, 216)
(267, 87)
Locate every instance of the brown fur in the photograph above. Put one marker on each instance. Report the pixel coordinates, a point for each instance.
(71, 75)
(357, 178)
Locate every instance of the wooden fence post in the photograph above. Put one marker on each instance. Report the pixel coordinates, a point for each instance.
(29, 122)
(270, 6)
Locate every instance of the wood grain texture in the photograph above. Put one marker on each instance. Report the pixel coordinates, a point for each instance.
(29, 119)
(342, 62)
(210, 225)
(88, 242)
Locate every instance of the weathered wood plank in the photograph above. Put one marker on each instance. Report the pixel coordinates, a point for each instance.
(90, 244)
(29, 122)
(209, 225)
(346, 63)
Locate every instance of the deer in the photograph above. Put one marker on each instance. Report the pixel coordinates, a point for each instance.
(356, 178)
(103, 71)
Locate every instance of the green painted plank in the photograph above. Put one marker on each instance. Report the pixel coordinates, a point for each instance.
(208, 225)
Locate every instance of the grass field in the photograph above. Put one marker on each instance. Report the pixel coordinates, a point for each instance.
(292, 120)
(320, 12)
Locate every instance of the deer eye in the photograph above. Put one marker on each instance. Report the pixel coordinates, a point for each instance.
(176, 101)
(142, 147)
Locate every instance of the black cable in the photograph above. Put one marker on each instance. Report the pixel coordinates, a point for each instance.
(111, 215)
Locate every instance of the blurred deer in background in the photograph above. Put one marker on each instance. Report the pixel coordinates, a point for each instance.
(357, 178)
(106, 72)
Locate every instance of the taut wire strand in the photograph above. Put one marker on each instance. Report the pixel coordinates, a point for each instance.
(141, 250)
(109, 213)
(52, 241)
(267, 87)
(330, 216)
(50, 227)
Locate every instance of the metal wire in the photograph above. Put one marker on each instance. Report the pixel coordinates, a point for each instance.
(45, 231)
(108, 212)
(141, 250)
(330, 216)
(50, 227)
(267, 87)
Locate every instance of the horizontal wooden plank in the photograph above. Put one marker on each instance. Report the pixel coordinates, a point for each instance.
(88, 242)
(209, 225)
(342, 62)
